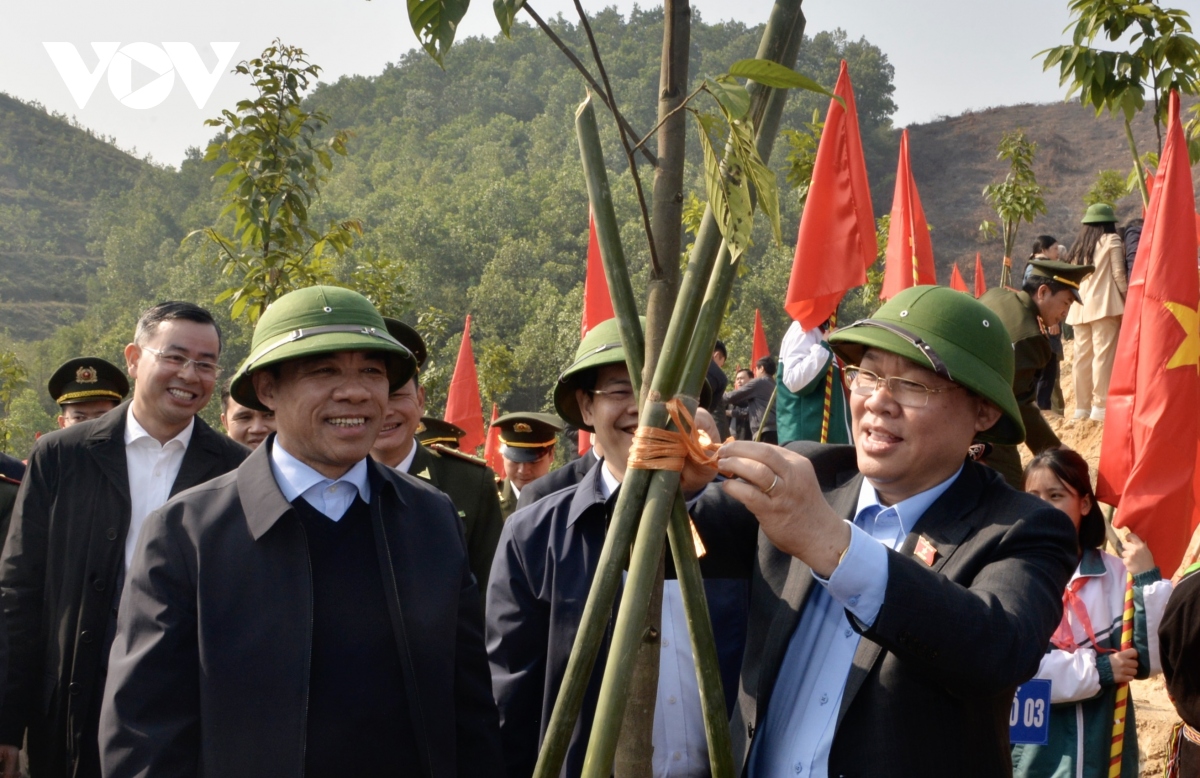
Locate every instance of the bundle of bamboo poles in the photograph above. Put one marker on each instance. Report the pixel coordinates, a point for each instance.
(650, 503)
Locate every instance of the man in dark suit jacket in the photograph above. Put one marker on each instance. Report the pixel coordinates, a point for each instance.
(901, 593)
(85, 495)
(312, 613)
(568, 475)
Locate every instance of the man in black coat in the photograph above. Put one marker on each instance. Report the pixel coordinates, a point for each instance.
(83, 499)
(313, 613)
(901, 593)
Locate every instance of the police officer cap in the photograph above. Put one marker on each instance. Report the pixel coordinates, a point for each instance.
(315, 321)
(1063, 272)
(950, 333)
(525, 437)
(87, 379)
(432, 430)
(409, 338)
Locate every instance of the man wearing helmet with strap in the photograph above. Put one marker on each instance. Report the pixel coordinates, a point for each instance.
(312, 613)
(902, 592)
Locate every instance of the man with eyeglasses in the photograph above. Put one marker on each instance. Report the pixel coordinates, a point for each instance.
(902, 591)
(543, 571)
(81, 506)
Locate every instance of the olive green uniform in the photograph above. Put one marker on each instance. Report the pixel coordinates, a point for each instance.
(1032, 352)
(471, 486)
(508, 499)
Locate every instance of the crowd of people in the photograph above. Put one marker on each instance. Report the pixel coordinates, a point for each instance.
(331, 588)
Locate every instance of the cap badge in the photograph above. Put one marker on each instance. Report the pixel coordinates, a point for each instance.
(86, 375)
(522, 427)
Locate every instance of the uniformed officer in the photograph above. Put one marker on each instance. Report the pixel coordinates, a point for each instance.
(438, 432)
(1047, 294)
(527, 445)
(467, 481)
(86, 388)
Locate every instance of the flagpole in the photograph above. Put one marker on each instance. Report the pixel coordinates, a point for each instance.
(1122, 700)
(825, 411)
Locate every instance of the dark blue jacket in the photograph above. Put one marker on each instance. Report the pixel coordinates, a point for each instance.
(540, 580)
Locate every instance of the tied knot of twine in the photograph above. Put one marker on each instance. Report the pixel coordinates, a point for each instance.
(658, 449)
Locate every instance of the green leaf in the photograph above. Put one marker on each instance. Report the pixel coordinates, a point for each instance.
(778, 76)
(733, 97)
(506, 14)
(728, 191)
(766, 186)
(435, 22)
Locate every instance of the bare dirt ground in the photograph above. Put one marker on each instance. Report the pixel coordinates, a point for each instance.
(1155, 714)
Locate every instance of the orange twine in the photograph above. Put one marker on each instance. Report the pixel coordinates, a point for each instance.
(659, 449)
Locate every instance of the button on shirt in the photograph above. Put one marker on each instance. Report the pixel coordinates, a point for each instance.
(152, 468)
(331, 497)
(680, 747)
(796, 737)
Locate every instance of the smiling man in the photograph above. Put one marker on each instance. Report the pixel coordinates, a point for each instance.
(312, 613)
(902, 591)
(466, 480)
(543, 571)
(85, 496)
(248, 426)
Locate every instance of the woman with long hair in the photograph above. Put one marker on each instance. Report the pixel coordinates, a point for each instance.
(1097, 322)
(1085, 663)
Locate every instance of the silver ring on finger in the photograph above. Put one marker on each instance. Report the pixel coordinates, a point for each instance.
(771, 488)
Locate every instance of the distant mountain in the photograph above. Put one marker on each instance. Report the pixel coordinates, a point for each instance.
(51, 174)
(954, 159)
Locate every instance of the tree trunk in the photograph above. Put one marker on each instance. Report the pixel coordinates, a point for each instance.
(635, 747)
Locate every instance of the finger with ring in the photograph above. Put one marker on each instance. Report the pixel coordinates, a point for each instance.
(771, 488)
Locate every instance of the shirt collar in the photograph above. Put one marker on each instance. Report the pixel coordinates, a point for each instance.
(135, 431)
(295, 477)
(910, 510)
(608, 481)
(406, 463)
(515, 489)
(589, 492)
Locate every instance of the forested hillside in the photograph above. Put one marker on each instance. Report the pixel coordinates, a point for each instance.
(51, 176)
(469, 185)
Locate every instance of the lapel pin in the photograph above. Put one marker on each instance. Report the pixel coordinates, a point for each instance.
(925, 551)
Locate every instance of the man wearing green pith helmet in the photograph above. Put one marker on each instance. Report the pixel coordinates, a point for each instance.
(312, 613)
(902, 591)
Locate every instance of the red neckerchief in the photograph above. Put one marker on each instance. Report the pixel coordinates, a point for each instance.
(1064, 636)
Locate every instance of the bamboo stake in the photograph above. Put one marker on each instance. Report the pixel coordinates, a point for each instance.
(783, 33)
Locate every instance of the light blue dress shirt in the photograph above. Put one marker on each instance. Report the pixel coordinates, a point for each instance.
(331, 497)
(797, 734)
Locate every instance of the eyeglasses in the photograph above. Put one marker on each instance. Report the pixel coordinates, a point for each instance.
(180, 362)
(620, 395)
(910, 394)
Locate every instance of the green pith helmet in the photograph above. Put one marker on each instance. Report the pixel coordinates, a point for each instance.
(1063, 272)
(87, 379)
(953, 334)
(314, 321)
(600, 347)
(1099, 213)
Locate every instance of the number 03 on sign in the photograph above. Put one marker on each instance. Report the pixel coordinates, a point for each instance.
(1029, 719)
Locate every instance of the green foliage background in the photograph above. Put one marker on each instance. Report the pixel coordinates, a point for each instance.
(471, 193)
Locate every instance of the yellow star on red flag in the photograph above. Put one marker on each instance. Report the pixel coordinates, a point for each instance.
(1188, 353)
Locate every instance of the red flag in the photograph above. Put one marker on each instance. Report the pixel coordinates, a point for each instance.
(1148, 457)
(957, 282)
(909, 260)
(836, 241)
(491, 451)
(761, 349)
(980, 280)
(597, 302)
(462, 403)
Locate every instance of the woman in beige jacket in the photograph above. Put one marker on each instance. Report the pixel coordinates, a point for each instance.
(1097, 321)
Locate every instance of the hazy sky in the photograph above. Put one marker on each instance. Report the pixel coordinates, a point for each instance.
(950, 55)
